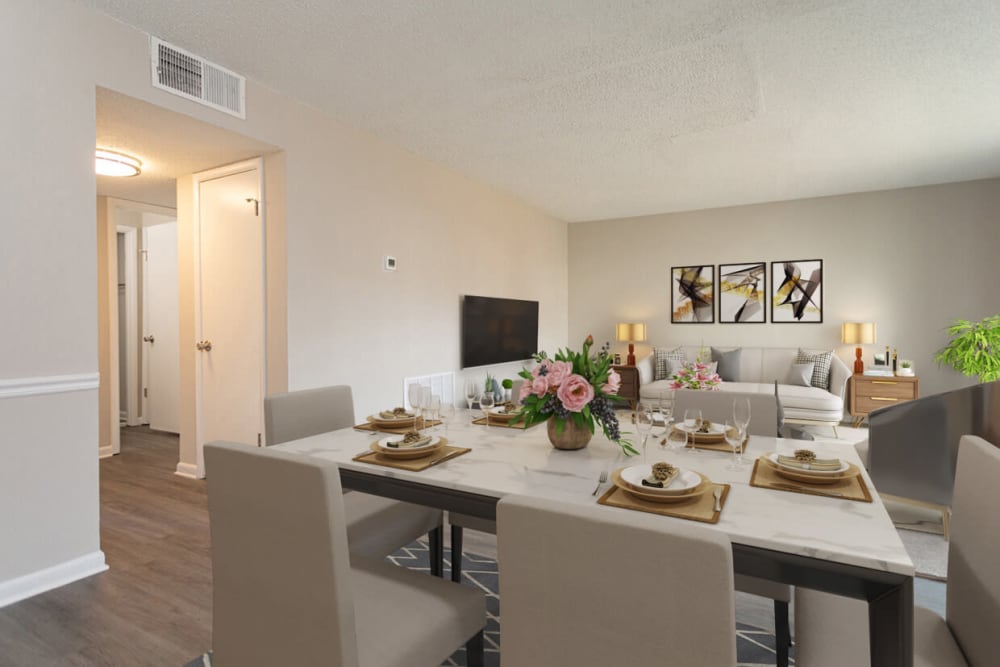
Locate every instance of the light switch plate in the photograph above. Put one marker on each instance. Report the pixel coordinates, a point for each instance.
(389, 263)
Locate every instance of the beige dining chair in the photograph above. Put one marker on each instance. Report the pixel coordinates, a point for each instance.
(376, 526)
(286, 590)
(833, 631)
(717, 406)
(593, 585)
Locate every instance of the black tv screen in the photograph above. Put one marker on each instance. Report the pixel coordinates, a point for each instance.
(495, 331)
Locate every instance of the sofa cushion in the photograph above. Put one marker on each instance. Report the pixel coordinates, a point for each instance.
(667, 362)
(800, 375)
(728, 364)
(821, 368)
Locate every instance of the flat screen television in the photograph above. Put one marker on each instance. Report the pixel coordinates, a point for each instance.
(495, 331)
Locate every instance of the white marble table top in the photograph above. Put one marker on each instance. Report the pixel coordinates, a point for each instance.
(505, 460)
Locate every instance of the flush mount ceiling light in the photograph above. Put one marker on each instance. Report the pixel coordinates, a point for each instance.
(110, 163)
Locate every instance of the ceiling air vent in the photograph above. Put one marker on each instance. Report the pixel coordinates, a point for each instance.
(181, 73)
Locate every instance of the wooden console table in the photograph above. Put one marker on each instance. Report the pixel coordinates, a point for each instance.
(869, 392)
(630, 384)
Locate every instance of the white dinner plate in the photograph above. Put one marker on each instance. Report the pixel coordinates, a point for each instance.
(714, 429)
(383, 443)
(394, 418)
(685, 480)
(773, 458)
(499, 412)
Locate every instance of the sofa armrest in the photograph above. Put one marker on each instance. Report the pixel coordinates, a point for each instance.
(645, 368)
(839, 375)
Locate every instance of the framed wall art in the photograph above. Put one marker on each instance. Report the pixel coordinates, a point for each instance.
(742, 293)
(797, 291)
(692, 294)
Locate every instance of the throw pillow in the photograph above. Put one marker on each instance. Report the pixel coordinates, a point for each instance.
(801, 374)
(728, 363)
(667, 362)
(821, 367)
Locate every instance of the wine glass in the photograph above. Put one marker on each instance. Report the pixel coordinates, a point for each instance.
(471, 392)
(692, 420)
(447, 415)
(734, 436)
(741, 413)
(486, 403)
(643, 424)
(433, 406)
(415, 394)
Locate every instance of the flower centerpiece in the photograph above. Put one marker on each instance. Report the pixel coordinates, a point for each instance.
(696, 375)
(573, 392)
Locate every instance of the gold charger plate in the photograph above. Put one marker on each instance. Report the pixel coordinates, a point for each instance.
(852, 471)
(404, 454)
(702, 488)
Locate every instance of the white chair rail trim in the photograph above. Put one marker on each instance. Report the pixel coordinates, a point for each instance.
(48, 384)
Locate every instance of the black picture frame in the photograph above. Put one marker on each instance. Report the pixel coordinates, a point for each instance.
(742, 288)
(797, 291)
(692, 297)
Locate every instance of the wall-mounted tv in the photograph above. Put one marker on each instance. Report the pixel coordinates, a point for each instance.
(495, 331)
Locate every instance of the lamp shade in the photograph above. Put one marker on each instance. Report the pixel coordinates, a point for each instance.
(857, 333)
(633, 332)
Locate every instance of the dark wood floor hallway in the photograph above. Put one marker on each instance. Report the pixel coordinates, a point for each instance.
(153, 607)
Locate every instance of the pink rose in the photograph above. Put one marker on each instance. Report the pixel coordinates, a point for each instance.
(614, 383)
(539, 386)
(575, 393)
(559, 371)
(527, 389)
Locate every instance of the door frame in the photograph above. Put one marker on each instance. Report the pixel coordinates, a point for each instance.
(199, 178)
(133, 411)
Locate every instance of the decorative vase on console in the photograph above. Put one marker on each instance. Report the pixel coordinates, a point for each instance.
(573, 392)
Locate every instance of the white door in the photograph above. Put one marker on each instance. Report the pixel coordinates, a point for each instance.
(162, 385)
(230, 311)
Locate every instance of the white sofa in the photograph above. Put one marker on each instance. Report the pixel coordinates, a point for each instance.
(759, 367)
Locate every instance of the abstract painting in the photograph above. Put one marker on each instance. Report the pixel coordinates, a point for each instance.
(692, 294)
(741, 292)
(797, 291)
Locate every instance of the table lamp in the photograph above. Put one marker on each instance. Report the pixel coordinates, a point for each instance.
(858, 333)
(633, 332)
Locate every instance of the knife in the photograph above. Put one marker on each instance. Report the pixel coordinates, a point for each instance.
(807, 489)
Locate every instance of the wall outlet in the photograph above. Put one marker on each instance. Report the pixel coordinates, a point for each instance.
(389, 263)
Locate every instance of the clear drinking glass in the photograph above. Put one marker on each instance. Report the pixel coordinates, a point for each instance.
(741, 413)
(447, 415)
(644, 424)
(471, 392)
(667, 410)
(734, 436)
(486, 403)
(692, 419)
(415, 394)
(434, 409)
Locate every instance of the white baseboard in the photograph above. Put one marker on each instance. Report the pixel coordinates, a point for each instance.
(105, 452)
(187, 470)
(14, 590)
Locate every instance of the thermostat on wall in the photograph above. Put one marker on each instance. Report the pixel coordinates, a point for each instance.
(389, 263)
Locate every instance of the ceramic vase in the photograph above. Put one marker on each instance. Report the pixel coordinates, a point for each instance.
(572, 436)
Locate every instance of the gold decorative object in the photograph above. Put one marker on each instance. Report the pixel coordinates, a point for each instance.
(662, 471)
(805, 455)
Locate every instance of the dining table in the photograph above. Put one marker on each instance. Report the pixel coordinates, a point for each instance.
(826, 543)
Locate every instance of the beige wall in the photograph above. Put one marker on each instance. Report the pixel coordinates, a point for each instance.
(348, 199)
(911, 260)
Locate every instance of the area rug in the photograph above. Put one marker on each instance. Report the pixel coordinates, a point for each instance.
(755, 647)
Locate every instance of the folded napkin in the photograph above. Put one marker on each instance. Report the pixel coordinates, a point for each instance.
(409, 441)
(661, 476)
(806, 460)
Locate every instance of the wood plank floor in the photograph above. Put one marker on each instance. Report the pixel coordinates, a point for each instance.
(154, 605)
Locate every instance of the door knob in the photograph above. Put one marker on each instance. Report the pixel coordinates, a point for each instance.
(204, 345)
(149, 339)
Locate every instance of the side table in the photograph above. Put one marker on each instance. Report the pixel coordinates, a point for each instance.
(869, 392)
(630, 384)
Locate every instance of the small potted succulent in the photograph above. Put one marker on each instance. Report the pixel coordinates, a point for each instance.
(905, 368)
(508, 384)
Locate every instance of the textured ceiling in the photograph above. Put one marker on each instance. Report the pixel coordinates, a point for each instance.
(591, 109)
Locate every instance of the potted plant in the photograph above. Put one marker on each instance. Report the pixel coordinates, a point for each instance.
(905, 368)
(573, 392)
(974, 349)
(508, 384)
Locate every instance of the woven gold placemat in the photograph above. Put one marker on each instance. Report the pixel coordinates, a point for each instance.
(444, 453)
(374, 428)
(849, 488)
(503, 424)
(701, 508)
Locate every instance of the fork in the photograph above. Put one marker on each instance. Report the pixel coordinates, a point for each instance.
(600, 480)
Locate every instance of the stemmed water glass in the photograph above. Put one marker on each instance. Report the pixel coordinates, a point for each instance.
(643, 424)
(692, 420)
(471, 392)
(415, 393)
(486, 403)
(447, 415)
(734, 436)
(434, 409)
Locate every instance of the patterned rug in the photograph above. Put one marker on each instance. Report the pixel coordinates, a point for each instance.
(755, 647)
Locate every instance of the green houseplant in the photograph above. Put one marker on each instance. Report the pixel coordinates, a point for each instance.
(974, 348)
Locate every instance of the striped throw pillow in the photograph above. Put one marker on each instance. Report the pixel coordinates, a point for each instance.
(821, 366)
(667, 362)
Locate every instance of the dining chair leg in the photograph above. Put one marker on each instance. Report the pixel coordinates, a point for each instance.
(435, 541)
(456, 553)
(782, 632)
(475, 651)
